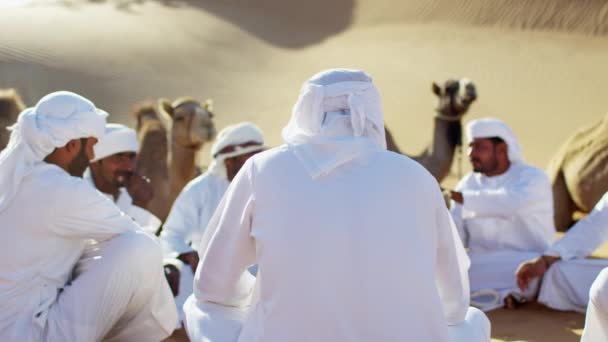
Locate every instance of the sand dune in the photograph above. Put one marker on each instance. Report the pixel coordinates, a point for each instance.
(538, 64)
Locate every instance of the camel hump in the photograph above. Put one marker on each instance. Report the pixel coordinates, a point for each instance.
(583, 160)
(579, 146)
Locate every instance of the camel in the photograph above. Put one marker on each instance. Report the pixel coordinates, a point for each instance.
(170, 135)
(454, 99)
(10, 107)
(579, 173)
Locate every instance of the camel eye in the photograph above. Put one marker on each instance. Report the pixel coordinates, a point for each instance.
(179, 118)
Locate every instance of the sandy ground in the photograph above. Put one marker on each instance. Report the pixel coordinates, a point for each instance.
(540, 65)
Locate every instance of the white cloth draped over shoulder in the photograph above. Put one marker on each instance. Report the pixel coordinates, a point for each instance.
(56, 119)
(596, 320)
(504, 220)
(48, 221)
(353, 242)
(567, 283)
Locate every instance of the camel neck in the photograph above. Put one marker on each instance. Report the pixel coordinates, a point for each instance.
(182, 164)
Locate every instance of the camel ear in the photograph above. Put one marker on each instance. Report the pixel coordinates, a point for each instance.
(164, 105)
(436, 89)
(208, 105)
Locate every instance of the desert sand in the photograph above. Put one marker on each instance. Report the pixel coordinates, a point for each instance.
(539, 65)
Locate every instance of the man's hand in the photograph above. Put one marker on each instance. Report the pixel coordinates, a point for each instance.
(140, 189)
(457, 197)
(173, 276)
(190, 258)
(533, 269)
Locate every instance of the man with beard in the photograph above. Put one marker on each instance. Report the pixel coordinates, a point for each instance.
(197, 202)
(504, 213)
(112, 172)
(51, 287)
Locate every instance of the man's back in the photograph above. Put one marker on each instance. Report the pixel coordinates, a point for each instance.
(351, 256)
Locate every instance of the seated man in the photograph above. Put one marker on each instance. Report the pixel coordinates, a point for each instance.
(504, 213)
(198, 200)
(50, 288)
(112, 172)
(567, 275)
(353, 242)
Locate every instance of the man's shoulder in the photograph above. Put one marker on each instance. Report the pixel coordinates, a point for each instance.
(49, 175)
(54, 186)
(202, 181)
(530, 171)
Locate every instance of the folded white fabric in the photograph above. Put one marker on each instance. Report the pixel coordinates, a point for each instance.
(338, 117)
(490, 128)
(234, 136)
(56, 119)
(117, 139)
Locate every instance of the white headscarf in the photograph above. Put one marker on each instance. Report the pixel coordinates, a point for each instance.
(234, 135)
(56, 119)
(337, 118)
(490, 128)
(118, 138)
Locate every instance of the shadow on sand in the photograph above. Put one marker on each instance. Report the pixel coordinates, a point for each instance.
(283, 23)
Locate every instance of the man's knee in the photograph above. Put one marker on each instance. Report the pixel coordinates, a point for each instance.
(598, 294)
(139, 250)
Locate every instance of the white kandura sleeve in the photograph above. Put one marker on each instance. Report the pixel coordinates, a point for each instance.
(227, 248)
(452, 267)
(181, 223)
(585, 236)
(456, 213)
(90, 215)
(529, 189)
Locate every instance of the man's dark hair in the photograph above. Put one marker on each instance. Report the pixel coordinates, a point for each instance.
(496, 140)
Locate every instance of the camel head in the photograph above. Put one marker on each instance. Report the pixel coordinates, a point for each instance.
(10, 107)
(191, 121)
(455, 97)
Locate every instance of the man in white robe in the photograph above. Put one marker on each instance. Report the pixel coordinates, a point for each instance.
(50, 288)
(353, 242)
(112, 172)
(504, 213)
(567, 275)
(194, 206)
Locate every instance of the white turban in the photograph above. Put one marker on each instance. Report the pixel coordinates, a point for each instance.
(338, 116)
(234, 136)
(56, 119)
(118, 138)
(491, 128)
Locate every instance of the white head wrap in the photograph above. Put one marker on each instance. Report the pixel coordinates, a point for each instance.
(234, 135)
(56, 119)
(118, 138)
(338, 117)
(490, 128)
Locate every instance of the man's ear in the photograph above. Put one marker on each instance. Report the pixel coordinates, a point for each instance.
(504, 149)
(73, 145)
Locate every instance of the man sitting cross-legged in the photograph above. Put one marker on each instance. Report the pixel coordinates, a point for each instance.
(504, 212)
(353, 242)
(197, 202)
(570, 281)
(51, 289)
